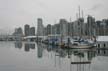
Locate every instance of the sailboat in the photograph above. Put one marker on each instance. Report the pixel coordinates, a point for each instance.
(80, 42)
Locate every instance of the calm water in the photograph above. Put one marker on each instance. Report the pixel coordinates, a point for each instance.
(25, 56)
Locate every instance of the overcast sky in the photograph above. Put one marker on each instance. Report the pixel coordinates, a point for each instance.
(17, 13)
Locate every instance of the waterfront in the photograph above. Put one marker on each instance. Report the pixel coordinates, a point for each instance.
(29, 56)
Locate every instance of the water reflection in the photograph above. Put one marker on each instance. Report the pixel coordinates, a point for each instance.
(77, 59)
(89, 54)
(18, 44)
(81, 53)
(29, 46)
(40, 50)
(82, 59)
(103, 52)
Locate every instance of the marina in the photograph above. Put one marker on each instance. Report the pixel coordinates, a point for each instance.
(53, 35)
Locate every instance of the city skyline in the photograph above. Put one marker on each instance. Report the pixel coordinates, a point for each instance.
(17, 13)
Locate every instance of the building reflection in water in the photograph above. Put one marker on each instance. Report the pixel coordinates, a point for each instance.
(32, 46)
(49, 48)
(18, 44)
(39, 50)
(91, 55)
(81, 59)
(29, 46)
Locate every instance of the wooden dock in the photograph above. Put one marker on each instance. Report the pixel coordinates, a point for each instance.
(87, 62)
(102, 48)
(77, 47)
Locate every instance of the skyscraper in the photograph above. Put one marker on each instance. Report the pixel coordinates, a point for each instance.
(32, 31)
(91, 25)
(27, 30)
(48, 29)
(18, 32)
(63, 27)
(40, 27)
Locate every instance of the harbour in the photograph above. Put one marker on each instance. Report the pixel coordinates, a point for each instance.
(53, 35)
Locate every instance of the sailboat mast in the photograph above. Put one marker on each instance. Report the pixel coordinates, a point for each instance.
(79, 11)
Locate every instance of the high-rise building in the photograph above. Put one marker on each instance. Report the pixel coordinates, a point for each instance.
(91, 26)
(63, 27)
(75, 28)
(40, 27)
(98, 26)
(57, 29)
(105, 26)
(102, 27)
(18, 32)
(48, 31)
(45, 31)
(27, 30)
(32, 31)
(70, 29)
(78, 27)
(81, 26)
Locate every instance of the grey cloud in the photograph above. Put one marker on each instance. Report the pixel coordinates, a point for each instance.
(96, 7)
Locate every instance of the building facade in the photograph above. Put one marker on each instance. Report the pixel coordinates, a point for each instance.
(32, 31)
(91, 25)
(63, 27)
(40, 27)
(27, 30)
(18, 32)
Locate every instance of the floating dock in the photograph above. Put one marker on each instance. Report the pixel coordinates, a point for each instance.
(87, 62)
